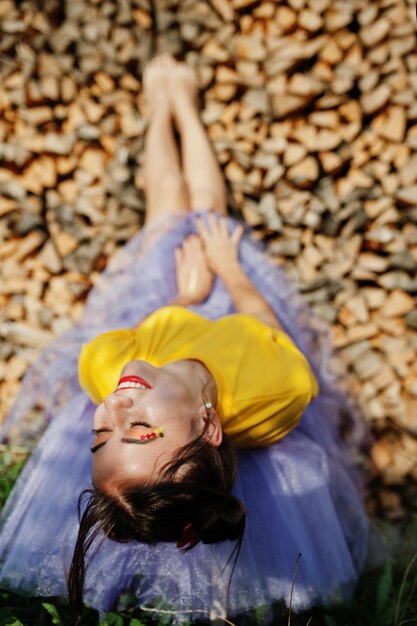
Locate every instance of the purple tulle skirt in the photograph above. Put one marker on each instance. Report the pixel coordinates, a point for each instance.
(302, 495)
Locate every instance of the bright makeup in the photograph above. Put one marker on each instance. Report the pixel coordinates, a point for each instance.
(156, 432)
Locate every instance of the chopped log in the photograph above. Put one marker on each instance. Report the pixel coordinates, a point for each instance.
(49, 258)
(38, 115)
(213, 51)
(28, 245)
(285, 18)
(49, 87)
(391, 124)
(225, 9)
(40, 174)
(24, 335)
(331, 162)
(310, 20)
(372, 34)
(306, 86)
(408, 195)
(304, 173)
(398, 304)
(294, 153)
(64, 242)
(249, 48)
(376, 99)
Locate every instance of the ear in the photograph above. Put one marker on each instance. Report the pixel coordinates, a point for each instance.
(211, 420)
(188, 538)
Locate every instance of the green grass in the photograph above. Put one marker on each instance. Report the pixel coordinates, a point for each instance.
(11, 463)
(385, 596)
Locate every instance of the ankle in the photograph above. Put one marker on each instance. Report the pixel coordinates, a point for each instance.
(160, 115)
(187, 118)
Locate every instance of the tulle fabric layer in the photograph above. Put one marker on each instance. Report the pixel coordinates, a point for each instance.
(302, 495)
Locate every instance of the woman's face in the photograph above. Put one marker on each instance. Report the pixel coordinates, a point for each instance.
(171, 402)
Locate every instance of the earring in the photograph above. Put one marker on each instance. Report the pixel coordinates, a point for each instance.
(208, 405)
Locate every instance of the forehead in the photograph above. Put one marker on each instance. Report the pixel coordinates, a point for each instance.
(124, 461)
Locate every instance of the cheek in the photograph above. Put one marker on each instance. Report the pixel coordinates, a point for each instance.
(119, 465)
(100, 416)
(98, 474)
(172, 402)
(197, 426)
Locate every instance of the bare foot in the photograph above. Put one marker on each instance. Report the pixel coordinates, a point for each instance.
(182, 89)
(194, 279)
(155, 85)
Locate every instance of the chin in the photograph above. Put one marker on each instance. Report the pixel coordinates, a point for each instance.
(136, 367)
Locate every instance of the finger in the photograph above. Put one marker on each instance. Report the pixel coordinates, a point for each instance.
(194, 241)
(198, 243)
(201, 227)
(237, 234)
(178, 256)
(191, 247)
(202, 244)
(190, 241)
(214, 225)
(186, 247)
(223, 226)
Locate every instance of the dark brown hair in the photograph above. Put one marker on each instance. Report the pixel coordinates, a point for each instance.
(197, 507)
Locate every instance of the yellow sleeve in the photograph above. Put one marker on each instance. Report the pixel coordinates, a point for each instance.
(306, 382)
(301, 388)
(102, 360)
(273, 395)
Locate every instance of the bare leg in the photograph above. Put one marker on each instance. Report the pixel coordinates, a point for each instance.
(165, 187)
(204, 178)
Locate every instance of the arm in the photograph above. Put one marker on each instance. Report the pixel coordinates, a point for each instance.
(182, 301)
(246, 297)
(221, 250)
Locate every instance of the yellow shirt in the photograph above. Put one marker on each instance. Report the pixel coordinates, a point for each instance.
(264, 382)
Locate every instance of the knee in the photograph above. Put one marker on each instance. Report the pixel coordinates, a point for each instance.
(207, 198)
(169, 183)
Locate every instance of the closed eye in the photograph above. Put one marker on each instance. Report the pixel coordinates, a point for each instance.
(97, 431)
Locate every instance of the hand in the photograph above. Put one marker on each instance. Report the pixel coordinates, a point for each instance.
(194, 279)
(221, 248)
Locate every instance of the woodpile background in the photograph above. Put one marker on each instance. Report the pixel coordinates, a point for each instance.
(311, 107)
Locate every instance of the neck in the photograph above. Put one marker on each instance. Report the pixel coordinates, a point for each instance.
(200, 380)
(207, 382)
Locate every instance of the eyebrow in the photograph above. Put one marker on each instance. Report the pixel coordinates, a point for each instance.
(124, 440)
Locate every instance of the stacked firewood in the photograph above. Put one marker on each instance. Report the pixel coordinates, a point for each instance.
(311, 108)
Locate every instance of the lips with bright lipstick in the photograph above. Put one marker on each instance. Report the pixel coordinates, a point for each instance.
(133, 382)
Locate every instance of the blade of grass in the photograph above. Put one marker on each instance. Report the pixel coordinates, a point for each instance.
(402, 587)
(292, 587)
(171, 612)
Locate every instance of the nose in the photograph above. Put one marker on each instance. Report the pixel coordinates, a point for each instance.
(115, 403)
